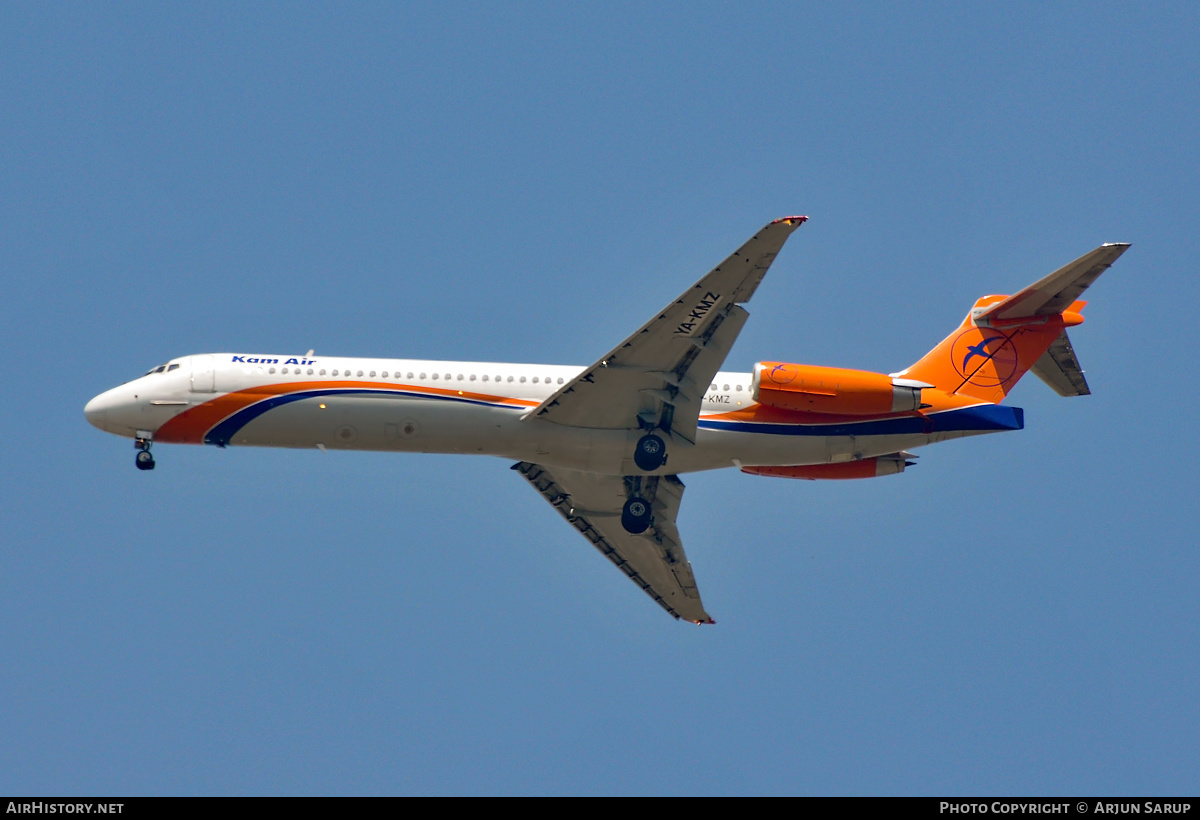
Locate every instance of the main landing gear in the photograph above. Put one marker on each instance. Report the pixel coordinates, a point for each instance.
(143, 460)
(636, 515)
(650, 453)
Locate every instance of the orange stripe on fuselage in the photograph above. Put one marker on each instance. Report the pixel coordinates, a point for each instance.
(190, 426)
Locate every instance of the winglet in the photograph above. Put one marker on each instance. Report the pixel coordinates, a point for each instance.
(796, 220)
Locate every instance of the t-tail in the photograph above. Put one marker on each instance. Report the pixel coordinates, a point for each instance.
(1004, 337)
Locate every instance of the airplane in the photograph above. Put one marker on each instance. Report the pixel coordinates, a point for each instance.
(605, 444)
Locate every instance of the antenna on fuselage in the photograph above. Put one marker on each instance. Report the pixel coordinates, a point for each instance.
(308, 355)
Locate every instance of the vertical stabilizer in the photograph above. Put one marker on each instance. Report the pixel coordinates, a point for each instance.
(1004, 337)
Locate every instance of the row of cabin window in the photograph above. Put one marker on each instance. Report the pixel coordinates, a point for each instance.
(409, 375)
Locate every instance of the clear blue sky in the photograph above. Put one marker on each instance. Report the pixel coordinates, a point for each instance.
(1019, 614)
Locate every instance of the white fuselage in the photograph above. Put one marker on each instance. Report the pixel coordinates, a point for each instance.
(448, 407)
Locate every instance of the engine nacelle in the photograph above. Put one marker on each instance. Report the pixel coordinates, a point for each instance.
(833, 390)
(864, 468)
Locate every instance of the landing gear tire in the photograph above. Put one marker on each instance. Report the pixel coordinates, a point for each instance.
(650, 454)
(635, 516)
(144, 460)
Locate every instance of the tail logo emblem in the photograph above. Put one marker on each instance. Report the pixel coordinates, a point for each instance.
(975, 349)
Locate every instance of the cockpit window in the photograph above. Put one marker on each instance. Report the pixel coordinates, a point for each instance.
(158, 369)
(172, 367)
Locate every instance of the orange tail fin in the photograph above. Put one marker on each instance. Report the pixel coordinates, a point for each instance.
(1004, 336)
(986, 362)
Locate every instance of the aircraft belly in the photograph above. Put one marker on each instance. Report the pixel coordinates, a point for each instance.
(383, 423)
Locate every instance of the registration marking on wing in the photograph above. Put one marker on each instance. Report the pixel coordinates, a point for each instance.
(698, 313)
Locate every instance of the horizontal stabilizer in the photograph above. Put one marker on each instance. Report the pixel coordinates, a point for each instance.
(1055, 293)
(1059, 368)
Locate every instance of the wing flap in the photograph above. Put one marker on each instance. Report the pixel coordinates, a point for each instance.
(654, 560)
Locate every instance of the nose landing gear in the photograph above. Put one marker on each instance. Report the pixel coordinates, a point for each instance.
(143, 460)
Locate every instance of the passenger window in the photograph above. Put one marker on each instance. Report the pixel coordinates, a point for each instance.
(472, 377)
(272, 370)
(322, 371)
(360, 373)
(447, 377)
(726, 387)
(310, 371)
(738, 388)
(284, 371)
(510, 378)
(409, 375)
(435, 375)
(372, 374)
(535, 379)
(522, 380)
(485, 378)
(460, 377)
(422, 375)
(560, 381)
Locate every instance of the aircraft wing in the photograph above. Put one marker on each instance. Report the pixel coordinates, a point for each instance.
(654, 560)
(659, 375)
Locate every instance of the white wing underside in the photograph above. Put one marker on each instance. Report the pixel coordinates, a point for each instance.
(658, 376)
(654, 560)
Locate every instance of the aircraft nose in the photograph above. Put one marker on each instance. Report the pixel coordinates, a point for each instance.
(96, 411)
